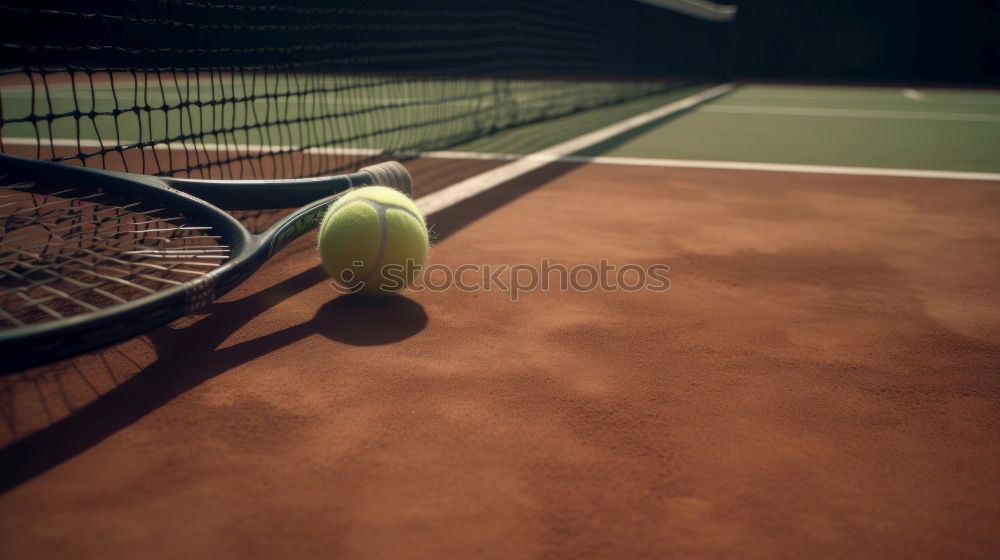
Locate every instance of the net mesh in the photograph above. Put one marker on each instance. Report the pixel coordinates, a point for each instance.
(256, 90)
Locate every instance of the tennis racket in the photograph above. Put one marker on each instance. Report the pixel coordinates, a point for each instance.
(91, 257)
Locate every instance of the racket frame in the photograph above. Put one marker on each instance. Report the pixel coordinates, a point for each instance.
(205, 201)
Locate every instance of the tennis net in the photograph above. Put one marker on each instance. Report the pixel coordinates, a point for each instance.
(246, 89)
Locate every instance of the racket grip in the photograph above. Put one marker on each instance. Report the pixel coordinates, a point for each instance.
(391, 174)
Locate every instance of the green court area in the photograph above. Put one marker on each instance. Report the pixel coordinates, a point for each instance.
(534, 137)
(291, 111)
(866, 98)
(908, 128)
(956, 130)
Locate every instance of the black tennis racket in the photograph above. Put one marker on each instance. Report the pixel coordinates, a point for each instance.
(90, 257)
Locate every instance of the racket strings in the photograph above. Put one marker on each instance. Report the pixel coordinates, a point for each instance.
(69, 251)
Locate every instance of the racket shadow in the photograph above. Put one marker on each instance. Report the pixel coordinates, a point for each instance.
(188, 356)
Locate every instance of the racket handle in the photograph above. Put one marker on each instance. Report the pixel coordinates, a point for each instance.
(391, 174)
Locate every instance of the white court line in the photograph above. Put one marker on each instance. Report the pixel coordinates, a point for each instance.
(848, 96)
(525, 100)
(862, 113)
(472, 186)
(983, 98)
(207, 146)
(702, 9)
(738, 166)
(792, 168)
(943, 97)
(545, 158)
(912, 94)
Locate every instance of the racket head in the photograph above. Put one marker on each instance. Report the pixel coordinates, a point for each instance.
(91, 257)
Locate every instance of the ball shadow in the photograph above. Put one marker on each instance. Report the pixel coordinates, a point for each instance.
(370, 321)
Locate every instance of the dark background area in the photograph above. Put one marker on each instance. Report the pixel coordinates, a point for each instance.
(887, 41)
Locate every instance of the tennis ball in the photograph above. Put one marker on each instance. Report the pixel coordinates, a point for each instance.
(372, 240)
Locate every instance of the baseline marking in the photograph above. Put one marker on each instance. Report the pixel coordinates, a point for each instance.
(193, 144)
(740, 166)
(862, 113)
(828, 94)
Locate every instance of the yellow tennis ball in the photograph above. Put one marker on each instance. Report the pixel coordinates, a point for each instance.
(372, 241)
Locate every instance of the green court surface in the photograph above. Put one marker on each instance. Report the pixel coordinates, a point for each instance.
(908, 128)
(365, 112)
(955, 130)
(539, 136)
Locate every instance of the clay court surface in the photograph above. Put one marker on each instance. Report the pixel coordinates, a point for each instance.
(820, 380)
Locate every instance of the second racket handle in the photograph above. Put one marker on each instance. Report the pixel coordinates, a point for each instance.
(391, 174)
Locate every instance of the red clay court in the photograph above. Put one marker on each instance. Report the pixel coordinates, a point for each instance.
(811, 375)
